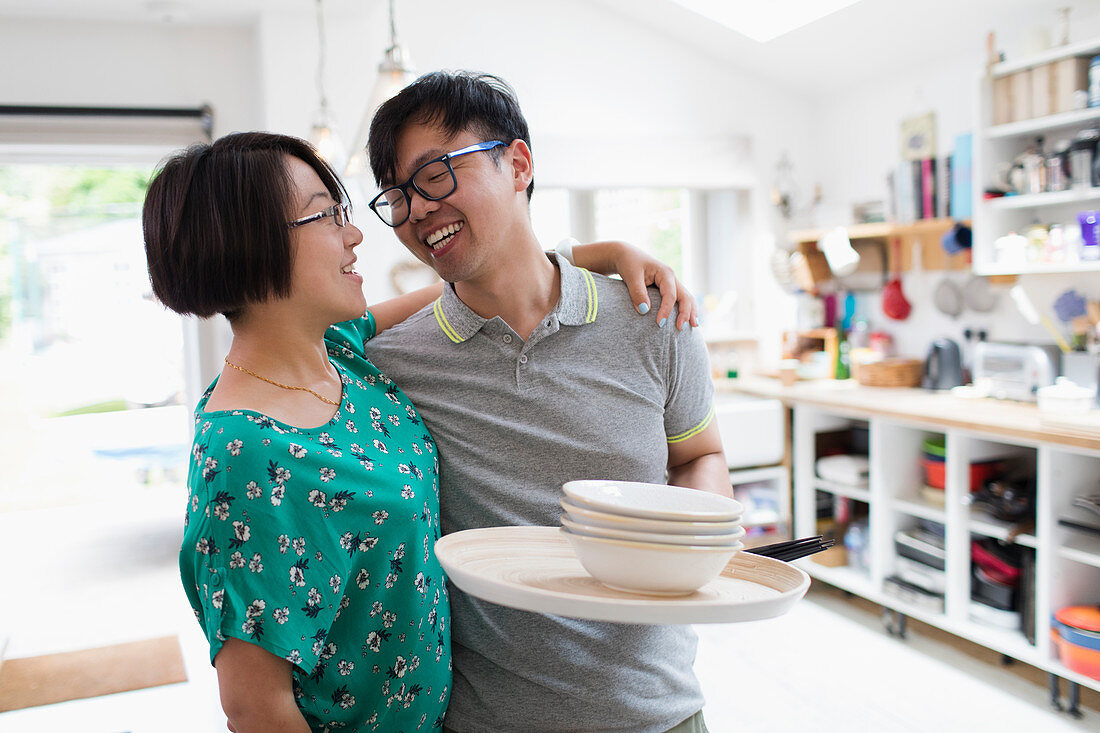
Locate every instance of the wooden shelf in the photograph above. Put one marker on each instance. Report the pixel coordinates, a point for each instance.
(1084, 48)
(925, 233)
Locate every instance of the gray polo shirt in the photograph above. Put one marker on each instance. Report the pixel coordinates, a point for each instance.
(596, 392)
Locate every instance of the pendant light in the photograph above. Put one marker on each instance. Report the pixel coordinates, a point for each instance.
(323, 134)
(394, 74)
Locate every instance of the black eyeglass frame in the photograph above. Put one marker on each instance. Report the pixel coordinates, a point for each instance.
(411, 181)
(340, 213)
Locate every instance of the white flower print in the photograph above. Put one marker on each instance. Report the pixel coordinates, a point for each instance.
(266, 442)
(395, 420)
(391, 578)
(241, 531)
(368, 543)
(317, 498)
(375, 608)
(362, 579)
(339, 501)
(299, 545)
(203, 546)
(234, 447)
(380, 446)
(421, 584)
(211, 464)
(297, 575)
(346, 701)
(295, 657)
(327, 474)
(335, 453)
(297, 451)
(380, 516)
(400, 667)
(256, 608)
(399, 552)
(282, 615)
(284, 544)
(407, 492)
(416, 449)
(217, 597)
(375, 414)
(350, 426)
(277, 493)
(195, 503)
(313, 598)
(236, 560)
(346, 540)
(326, 439)
(410, 412)
(281, 475)
(403, 468)
(345, 667)
(253, 490)
(197, 450)
(334, 583)
(256, 563)
(221, 511)
(374, 641)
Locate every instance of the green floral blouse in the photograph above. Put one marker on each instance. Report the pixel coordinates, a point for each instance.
(317, 545)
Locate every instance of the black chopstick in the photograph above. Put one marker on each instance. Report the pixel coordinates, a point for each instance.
(793, 549)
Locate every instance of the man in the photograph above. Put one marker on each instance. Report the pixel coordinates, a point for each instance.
(530, 372)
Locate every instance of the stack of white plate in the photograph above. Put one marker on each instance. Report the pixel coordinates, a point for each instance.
(651, 538)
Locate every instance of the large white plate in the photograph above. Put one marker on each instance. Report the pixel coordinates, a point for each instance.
(535, 569)
(653, 501)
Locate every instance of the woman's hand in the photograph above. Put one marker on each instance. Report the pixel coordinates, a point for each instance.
(638, 270)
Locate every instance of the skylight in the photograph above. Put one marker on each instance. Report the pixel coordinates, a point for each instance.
(764, 20)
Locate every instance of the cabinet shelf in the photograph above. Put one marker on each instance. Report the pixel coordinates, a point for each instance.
(1049, 123)
(1038, 200)
(845, 578)
(988, 526)
(852, 492)
(1081, 549)
(922, 509)
(1083, 48)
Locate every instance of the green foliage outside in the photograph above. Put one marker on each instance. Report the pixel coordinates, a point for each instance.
(38, 201)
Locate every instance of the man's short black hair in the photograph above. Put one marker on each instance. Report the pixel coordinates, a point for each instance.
(453, 101)
(215, 222)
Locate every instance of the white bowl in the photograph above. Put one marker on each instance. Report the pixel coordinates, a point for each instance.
(640, 524)
(646, 568)
(703, 540)
(653, 501)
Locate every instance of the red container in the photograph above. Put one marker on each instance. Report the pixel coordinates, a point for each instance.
(935, 472)
(1076, 650)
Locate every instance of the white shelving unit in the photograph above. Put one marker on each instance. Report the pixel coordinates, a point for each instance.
(995, 145)
(1067, 563)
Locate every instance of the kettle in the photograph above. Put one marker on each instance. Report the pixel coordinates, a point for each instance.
(943, 367)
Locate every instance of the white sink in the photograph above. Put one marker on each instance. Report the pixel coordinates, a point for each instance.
(751, 428)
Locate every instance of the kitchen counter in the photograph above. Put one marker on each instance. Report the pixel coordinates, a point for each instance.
(937, 410)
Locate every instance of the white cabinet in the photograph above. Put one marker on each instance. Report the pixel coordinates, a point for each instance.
(996, 145)
(1067, 562)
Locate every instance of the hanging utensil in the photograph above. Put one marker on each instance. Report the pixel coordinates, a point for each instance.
(894, 303)
(948, 298)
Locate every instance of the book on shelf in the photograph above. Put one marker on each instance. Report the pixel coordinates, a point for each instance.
(961, 171)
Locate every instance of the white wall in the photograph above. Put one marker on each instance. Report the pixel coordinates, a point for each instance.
(857, 135)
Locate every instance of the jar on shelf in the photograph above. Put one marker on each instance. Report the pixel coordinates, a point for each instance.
(1082, 152)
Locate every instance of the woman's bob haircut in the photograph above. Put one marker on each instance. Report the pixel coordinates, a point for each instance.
(215, 222)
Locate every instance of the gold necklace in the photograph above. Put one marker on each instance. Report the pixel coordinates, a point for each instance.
(324, 399)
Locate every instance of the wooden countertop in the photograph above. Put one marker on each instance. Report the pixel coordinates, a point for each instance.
(937, 410)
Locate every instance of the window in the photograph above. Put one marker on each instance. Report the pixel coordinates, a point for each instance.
(655, 220)
(95, 365)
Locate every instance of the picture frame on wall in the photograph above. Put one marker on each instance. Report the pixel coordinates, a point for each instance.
(918, 137)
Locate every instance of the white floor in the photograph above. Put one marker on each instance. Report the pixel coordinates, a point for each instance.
(105, 572)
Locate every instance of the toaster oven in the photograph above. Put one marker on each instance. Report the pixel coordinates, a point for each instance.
(1015, 371)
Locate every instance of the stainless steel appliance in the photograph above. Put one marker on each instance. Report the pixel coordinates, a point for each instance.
(943, 368)
(1015, 371)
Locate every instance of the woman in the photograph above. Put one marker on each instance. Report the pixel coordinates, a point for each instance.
(313, 494)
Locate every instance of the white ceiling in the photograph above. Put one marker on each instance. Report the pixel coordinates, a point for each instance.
(873, 39)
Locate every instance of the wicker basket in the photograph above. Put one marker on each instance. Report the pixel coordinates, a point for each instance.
(889, 372)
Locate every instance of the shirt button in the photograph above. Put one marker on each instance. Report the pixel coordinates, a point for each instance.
(523, 359)
(215, 580)
(507, 338)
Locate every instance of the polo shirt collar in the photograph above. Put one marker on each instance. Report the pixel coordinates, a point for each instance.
(576, 306)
